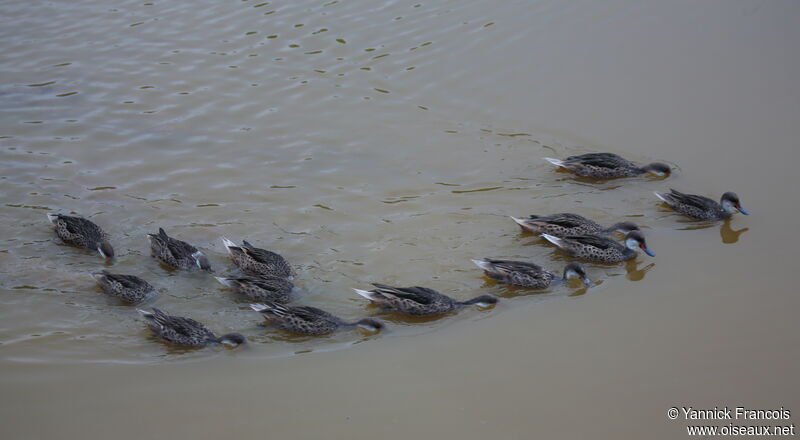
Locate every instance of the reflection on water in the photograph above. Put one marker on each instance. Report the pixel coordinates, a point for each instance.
(271, 121)
(633, 272)
(728, 234)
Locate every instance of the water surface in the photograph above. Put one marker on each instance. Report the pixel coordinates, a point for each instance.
(389, 142)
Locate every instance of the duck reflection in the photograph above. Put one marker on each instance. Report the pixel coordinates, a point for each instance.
(634, 273)
(728, 234)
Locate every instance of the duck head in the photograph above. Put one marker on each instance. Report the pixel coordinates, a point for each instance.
(105, 250)
(635, 240)
(482, 301)
(730, 201)
(371, 324)
(576, 270)
(202, 261)
(232, 339)
(657, 168)
(624, 227)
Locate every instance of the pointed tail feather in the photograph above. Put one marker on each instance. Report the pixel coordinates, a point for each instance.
(225, 282)
(228, 244)
(661, 196)
(259, 307)
(366, 294)
(519, 221)
(556, 162)
(52, 218)
(483, 264)
(552, 239)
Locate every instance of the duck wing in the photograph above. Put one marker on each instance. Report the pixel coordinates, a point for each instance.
(417, 294)
(593, 240)
(602, 160)
(565, 220)
(179, 324)
(128, 281)
(81, 226)
(262, 255)
(305, 313)
(516, 266)
(178, 248)
(700, 202)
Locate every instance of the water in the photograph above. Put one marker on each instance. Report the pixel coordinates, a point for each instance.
(389, 142)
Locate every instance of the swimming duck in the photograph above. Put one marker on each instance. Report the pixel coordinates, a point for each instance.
(602, 249)
(607, 166)
(78, 231)
(560, 225)
(700, 207)
(306, 320)
(418, 301)
(260, 288)
(176, 253)
(523, 274)
(258, 261)
(186, 331)
(128, 288)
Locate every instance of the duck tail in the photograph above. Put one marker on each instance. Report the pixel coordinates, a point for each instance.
(228, 244)
(99, 275)
(260, 308)
(556, 162)
(52, 218)
(485, 265)
(525, 223)
(150, 316)
(370, 295)
(225, 282)
(662, 196)
(553, 239)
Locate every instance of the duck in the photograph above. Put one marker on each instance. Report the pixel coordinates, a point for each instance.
(82, 233)
(560, 225)
(524, 274)
(607, 166)
(186, 332)
(419, 301)
(307, 320)
(257, 261)
(260, 288)
(128, 288)
(176, 253)
(702, 208)
(602, 249)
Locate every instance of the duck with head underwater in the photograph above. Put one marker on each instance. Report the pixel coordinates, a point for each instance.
(306, 320)
(187, 332)
(80, 232)
(419, 301)
(176, 253)
(608, 166)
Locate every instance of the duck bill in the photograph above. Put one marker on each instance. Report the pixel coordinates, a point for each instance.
(588, 282)
(742, 210)
(648, 251)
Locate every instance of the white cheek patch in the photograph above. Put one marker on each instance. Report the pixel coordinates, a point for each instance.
(727, 205)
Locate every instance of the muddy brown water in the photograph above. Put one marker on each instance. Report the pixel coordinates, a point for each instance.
(389, 142)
